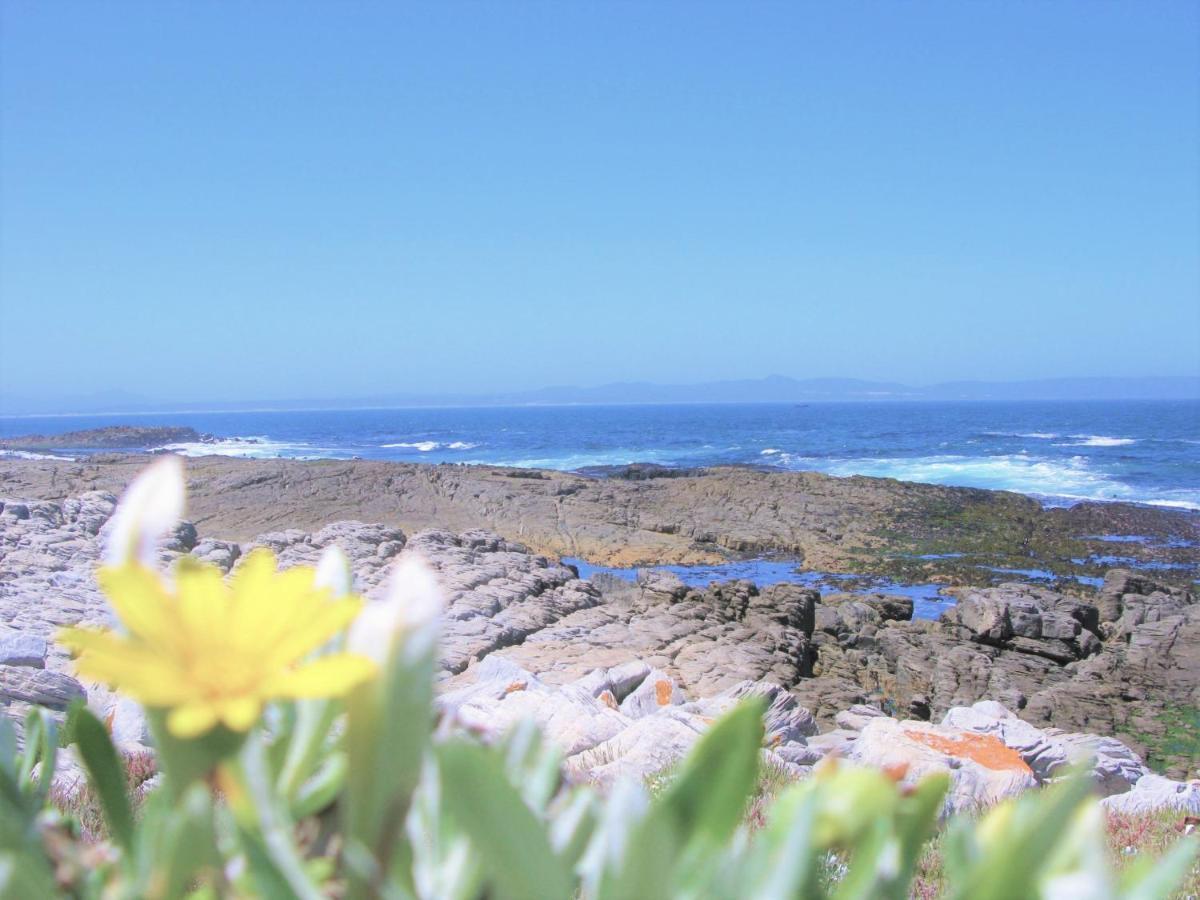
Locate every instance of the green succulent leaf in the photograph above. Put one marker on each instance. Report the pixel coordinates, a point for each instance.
(513, 844)
(106, 774)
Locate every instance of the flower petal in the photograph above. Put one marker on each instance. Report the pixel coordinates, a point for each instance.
(141, 603)
(150, 507)
(333, 572)
(191, 720)
(136, 669)
(240, 713)
(203, 604)
(317, 627)
(327, 676)
(414, 600)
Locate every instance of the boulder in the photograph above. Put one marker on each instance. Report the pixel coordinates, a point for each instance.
(656, 691)
(982, 770)
(647, 747)
(1114, 766)
(50, 689)
(1154, 793)
(22, 649)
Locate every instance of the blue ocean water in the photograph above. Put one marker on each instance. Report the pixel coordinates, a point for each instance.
(1140, 451)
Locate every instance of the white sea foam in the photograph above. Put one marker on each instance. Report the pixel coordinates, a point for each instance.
(252, 447)
(1071, 479)
(771, 451)
(423, 446)
(1039, 435)
(1098, 440)
(29, 454)
(430, 446)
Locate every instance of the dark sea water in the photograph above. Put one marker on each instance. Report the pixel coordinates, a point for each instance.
(1146, 452)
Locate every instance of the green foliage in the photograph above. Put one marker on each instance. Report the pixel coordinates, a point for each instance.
(362, 798)
(1175, 746)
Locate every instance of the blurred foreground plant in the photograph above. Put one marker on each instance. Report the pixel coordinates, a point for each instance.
(294, 766)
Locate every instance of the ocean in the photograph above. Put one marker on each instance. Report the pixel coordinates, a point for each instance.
(1060, 452)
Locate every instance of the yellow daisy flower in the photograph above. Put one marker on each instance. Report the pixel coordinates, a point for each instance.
(214, 651)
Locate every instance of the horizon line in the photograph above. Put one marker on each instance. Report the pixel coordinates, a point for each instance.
(569, 405)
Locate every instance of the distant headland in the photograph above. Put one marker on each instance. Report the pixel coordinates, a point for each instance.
(772, 389)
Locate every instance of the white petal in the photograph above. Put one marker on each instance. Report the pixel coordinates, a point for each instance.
(413, 602)
(414, 589)
(150, 507)
(333, 572)
(373, 632)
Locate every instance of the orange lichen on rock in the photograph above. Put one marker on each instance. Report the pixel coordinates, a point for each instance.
(607, 698)
(514, 687)
(984, 749)
(896, 771)
(662, 692)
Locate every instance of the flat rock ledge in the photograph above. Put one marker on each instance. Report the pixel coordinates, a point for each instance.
(1009, 688)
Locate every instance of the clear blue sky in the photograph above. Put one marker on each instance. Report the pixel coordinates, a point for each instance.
(268, 200)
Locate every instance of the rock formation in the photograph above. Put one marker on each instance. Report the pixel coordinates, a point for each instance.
(1021, 681)
(912, 532)
(115, 437)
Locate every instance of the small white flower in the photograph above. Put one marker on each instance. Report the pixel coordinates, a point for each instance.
(333, 572)
(150, 507)
(413, 602)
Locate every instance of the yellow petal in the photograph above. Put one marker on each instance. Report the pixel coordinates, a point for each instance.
(140, 602)
(203, 604)
(134, 668)
(256, 615)
(318, 626)
(327, 676)
(255, 573)
(240, 713)
(191, 720)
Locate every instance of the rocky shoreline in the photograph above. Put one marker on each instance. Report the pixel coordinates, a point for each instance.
(868, 526)
(1003, 692)
(116, 437)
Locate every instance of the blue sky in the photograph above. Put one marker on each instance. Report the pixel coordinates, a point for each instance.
(206, 201)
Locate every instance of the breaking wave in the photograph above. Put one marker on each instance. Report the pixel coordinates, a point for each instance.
(430, 446)
(29, 454)
(1098, 440)
(255, 447)
(1070, 479)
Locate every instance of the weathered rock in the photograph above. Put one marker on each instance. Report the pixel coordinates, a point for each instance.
(828, 522)
(785, 721)
(18, 648)
(603, 742)
(1038, 652)
(856, 717)
(50, 689)
(123, 437)
(982, 770)
(656, 691)
(705, 640)
(1115, 768)
(648, 746)
(1153, 793)
(1127, 600)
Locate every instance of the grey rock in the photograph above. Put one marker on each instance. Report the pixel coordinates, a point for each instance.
(856, 717)
(1154, 793)
(21, 649)
(656, 691)
(50, 689)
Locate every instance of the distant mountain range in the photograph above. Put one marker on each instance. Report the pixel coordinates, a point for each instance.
(772, 389)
